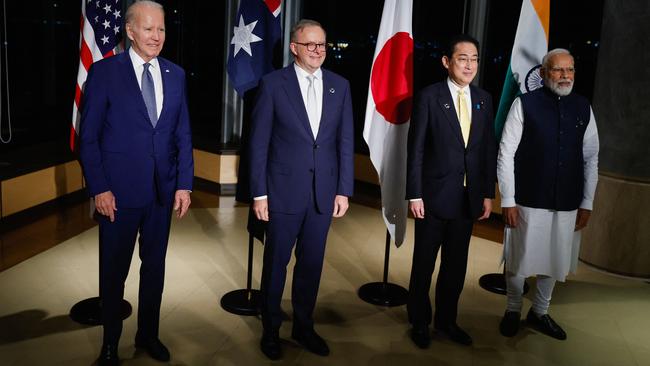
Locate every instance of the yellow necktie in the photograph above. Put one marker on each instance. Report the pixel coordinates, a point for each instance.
(463, 116)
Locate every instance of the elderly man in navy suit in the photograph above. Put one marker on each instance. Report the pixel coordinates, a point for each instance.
(451, 171)
(136, 154)
(301, 150)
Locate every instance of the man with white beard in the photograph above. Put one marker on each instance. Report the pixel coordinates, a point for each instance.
(547, 170)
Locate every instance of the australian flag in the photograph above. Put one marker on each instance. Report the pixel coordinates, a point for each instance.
(256, 30)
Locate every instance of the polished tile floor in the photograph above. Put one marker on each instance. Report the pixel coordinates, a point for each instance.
(606, 317)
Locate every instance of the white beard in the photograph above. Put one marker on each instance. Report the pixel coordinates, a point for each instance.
(562, 91)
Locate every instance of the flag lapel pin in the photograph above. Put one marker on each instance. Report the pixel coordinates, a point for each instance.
(446, 105)
(332, 90)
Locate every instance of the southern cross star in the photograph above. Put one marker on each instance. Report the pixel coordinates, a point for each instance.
(243, 36)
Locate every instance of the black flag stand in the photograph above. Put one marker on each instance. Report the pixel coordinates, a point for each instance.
(89, 311)
(244, 301)
(496, 282)
(384, 293)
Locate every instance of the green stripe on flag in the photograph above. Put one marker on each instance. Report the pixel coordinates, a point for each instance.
(508, 95)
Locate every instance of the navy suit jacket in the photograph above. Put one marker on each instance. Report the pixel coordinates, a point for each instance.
(437, 157)
(120, 151)
(287, 163)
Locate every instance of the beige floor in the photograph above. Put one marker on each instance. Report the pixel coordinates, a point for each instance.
(606, 318)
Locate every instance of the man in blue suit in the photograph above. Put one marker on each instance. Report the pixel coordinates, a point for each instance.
(301, 149)
(136, 154)
(451, 171)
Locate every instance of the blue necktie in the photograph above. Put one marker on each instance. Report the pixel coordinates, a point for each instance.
(149, 94)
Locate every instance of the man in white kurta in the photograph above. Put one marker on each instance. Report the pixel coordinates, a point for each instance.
(547, 170)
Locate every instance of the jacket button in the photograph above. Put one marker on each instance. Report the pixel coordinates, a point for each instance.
(311, 170)
(315, 146)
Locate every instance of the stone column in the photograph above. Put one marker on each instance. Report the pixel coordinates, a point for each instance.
(617, 238)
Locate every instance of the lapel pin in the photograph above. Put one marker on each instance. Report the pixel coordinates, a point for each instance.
(446, 105)
(166, 70)
(332, 90)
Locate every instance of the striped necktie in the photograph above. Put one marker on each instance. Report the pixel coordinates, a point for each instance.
(149, 94)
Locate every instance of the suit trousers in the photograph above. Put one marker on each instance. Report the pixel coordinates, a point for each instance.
(308, 231)
(116, 243)
(431, 234)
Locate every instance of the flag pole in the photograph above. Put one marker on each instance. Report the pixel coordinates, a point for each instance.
(244, 301)
(384, 293)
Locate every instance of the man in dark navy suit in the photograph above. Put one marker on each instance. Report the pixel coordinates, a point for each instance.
(301, 149)
(451, 170)
(136, 154)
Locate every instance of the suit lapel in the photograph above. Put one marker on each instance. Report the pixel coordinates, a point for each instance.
(328, 98)
(447, 106)
(476, 128)
(292, 89)
(166, 79)
(131, 83)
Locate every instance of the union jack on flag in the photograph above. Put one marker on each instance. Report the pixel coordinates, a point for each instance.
(101, 33)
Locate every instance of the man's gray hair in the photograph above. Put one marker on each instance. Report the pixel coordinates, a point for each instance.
(130, 11)
(553, 52)
(302, 24)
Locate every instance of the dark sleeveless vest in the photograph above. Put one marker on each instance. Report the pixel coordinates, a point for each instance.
(549, 166)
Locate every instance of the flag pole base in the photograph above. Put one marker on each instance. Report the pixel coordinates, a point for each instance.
(383, 294)
(89, 311)
(496, 283)
(242, 302)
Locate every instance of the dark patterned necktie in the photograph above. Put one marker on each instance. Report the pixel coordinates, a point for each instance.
(149, 94)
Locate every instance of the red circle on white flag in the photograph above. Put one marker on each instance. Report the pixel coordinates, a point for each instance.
(391, 81)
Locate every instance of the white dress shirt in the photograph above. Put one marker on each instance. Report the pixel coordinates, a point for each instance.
(512, 131)
(154, 69)
(303, 82)
(453, 89)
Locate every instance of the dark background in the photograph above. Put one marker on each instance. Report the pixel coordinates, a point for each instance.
(43, 56)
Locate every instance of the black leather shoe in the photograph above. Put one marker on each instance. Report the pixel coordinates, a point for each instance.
(454, 333)
(108, 356)
(510, 323)
(270, 345)
(545, 324)
(421, 336)
(154, 348)
(309, 339)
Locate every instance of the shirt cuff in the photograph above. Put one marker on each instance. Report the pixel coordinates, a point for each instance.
(259, 198)
(415, 199)
(508, 202)
(587, 205)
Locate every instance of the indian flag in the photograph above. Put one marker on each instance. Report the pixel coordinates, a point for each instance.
(531, 44)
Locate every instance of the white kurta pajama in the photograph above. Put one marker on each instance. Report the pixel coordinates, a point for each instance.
(544, 241)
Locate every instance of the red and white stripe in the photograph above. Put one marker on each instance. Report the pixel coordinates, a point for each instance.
(88, 53)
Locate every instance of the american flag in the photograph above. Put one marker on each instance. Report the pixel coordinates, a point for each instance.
(101, 33)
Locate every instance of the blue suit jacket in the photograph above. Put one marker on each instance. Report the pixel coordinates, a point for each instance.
(120, 151)
(287, 163)
(438, 159)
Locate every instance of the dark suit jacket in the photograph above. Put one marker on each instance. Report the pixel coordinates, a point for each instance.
(120, 151)
(438, 159)
(287, 163)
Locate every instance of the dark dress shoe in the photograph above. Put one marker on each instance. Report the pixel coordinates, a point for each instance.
(455, 334)
(309, 339)
(108, 356)
(545, 324)
(270, 345)
(154, 348)
(510, 323)
(421, 336)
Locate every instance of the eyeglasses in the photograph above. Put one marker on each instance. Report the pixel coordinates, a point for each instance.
(311, 46)
(463, 60)
(562, 70)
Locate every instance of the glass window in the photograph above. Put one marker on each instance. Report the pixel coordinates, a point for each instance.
(42, 53)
